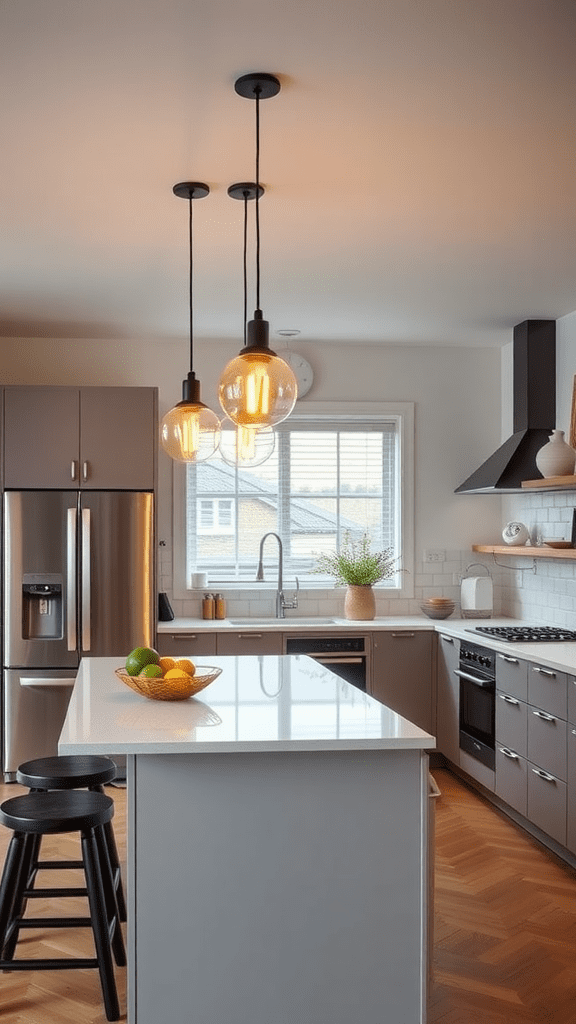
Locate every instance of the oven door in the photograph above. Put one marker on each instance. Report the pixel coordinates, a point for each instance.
(477, 716)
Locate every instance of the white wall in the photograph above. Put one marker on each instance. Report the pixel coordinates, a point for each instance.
(456, 391)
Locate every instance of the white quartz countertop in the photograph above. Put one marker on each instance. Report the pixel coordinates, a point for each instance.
(264, 703)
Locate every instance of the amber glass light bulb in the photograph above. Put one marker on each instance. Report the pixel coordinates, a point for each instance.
(190, 432)
(245, 446)
(257, 389)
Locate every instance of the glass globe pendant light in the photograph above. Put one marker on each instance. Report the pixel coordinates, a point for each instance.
(245, 447)
(190, 432)
(257, 388)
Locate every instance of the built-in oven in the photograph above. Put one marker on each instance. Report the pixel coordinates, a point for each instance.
(346, 656)
(477, 674)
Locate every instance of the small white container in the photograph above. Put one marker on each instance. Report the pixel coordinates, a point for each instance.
(476, 597)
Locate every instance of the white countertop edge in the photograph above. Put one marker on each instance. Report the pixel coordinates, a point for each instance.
(423, 742)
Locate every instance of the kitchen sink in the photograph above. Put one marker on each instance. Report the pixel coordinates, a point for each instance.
(308, 620)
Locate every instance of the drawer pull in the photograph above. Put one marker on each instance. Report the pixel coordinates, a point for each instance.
(249, 636)
(543, 775)
(183, 636)
(404, 633)
(574, 732)
(506, 657)
(509, 753)
(450, 640)
(544, 715)
(509, 700)
(544, 672)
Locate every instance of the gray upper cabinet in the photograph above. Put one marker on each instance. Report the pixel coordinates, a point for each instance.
(97, 438)
(402, 674)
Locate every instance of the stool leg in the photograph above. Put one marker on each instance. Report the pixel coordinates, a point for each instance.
(114, 862)
(8, 885)
(97, 902)
(24, 879)
(110, 897)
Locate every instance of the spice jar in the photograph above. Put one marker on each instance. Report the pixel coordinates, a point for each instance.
(219, 607)
(208, 606)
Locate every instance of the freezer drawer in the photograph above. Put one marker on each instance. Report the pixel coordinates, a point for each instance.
(35, 705)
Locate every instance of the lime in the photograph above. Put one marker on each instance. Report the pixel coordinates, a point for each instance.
(152, 671)
(140, 657)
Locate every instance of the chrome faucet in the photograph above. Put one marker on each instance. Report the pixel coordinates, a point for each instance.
(281, 604)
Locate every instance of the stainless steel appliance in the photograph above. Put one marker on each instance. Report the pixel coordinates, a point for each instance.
(528, 634)
(346, 656)
(477, 674)
(78, 581)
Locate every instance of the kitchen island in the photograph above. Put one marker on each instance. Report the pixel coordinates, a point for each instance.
(277, 845)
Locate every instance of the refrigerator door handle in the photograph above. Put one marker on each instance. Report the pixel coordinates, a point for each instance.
(71, 579)
(86, 581)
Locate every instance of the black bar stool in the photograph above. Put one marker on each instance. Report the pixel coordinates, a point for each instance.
(38, 814)
(76, 771)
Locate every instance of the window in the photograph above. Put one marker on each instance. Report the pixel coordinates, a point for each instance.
(331, 473)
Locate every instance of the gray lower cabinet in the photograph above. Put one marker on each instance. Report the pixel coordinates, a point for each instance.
(249, 643)
(571, 787)
(547, 803)
(448, 698)
(402, 674)
(186, 644)
(512, 778)
(548, 689)
(512, 676)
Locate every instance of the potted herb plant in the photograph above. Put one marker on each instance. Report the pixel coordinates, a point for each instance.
(357, 568)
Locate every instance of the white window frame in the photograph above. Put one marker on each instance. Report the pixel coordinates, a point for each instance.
(322, 411)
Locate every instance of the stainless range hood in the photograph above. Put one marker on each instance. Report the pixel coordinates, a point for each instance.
(534, 413)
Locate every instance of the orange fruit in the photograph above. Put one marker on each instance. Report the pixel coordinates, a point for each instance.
(166, 663)
(177, 673)
(185, 665)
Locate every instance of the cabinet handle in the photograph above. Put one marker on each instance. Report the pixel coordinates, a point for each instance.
(574, 732)
(544, 672)
(408, 636)
(546, 717)
(450, 640)
(85, 470)
(509, 753)
(73, 469)
(543, 775)
(183, 636)
(249, 636)
(507, 657)
(509, 700)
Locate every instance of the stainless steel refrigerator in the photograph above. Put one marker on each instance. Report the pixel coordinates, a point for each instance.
(78, 581)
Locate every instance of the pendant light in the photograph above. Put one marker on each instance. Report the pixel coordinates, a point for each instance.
(245, 447)
(257, 388)
(190, 432)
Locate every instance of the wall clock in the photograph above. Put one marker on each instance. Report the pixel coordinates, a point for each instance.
(302, 371)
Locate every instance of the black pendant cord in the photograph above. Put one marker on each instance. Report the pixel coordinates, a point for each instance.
(257, 91)
(245, 255)
(191, 275)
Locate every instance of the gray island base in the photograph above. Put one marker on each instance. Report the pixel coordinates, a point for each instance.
(277, 846)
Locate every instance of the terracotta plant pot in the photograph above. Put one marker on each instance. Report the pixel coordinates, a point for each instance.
(359, 603)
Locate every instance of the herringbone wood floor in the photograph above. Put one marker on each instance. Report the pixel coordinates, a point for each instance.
(505, 928)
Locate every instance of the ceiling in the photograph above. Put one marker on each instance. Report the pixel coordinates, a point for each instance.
(418, 163)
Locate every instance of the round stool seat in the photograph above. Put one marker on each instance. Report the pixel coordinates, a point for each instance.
(53, 812)
(72, 771)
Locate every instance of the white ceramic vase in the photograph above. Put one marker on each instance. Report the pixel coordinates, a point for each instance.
(556, 458)
(359, 603)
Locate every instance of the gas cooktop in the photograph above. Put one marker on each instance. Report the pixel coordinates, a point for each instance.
(527, 634)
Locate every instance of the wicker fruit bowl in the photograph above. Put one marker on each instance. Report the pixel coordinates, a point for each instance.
(171, 689)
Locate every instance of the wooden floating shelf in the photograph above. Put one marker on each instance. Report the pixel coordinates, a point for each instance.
(551, 483)
(528, 552)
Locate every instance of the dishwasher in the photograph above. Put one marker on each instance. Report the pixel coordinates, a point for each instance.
(347, 657)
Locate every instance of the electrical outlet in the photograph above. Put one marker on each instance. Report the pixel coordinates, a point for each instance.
(434, 555)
